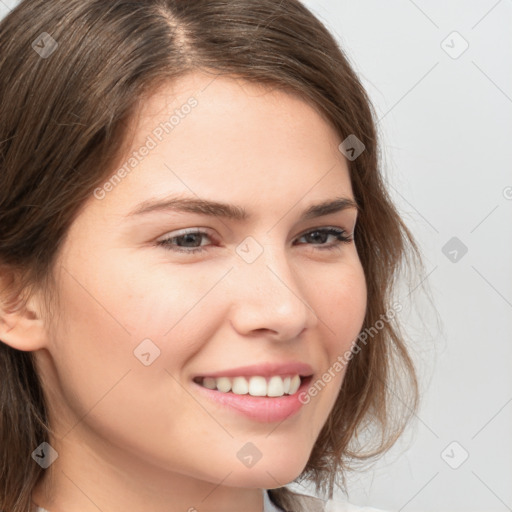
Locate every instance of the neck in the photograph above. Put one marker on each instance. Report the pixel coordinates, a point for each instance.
(87, 480)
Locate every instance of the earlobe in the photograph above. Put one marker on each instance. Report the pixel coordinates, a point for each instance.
(23, 328)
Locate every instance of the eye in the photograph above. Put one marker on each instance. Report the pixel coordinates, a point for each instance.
(188, 241)
(320, 235)
(188, 237)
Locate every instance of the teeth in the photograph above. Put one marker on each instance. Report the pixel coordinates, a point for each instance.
(257, 386)
(275, 386)
(254, 386)
(224, 384)
(294, 384)
(210, 383)
(240, 386)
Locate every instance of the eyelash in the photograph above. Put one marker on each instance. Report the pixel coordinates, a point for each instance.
(341, 235)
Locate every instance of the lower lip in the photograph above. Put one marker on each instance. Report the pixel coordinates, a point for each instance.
(259, 408)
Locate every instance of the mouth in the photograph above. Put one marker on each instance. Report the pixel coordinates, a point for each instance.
(269, 398)
(273, 386)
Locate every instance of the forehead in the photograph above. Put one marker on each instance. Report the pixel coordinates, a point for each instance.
(219, 110)
(221, 137)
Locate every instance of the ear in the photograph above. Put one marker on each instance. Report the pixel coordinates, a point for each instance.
(23, 328)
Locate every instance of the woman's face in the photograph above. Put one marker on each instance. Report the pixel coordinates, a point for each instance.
(150, 317)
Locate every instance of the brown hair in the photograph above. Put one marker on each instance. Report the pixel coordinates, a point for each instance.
(64, 121)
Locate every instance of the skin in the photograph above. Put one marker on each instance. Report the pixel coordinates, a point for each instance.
(133, 437)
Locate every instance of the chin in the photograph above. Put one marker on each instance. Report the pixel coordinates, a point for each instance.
(275, 472)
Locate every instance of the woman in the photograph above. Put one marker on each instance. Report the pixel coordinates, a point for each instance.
(197, 259)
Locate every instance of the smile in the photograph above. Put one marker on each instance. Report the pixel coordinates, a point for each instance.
(269, 402)
(257, 385)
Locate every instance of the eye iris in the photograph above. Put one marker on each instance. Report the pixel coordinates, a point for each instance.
(317, 236)
(188, 238)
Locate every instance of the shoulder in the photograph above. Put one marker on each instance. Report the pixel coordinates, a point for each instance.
(313, 504)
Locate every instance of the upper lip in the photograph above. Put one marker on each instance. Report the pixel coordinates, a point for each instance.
(264, 370)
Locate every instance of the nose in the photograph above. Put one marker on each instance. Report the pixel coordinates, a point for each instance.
(269, 298)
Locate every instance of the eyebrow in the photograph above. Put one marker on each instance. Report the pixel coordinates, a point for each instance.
(232, 211)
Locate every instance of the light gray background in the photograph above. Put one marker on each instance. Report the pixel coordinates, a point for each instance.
(446, 127)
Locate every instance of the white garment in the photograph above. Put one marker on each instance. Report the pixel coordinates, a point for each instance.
(328, 506)
(325, 506)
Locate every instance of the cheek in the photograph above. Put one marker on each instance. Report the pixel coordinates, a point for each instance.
(342, 306)
(114, 314)
(103, 385)
(91, 345)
